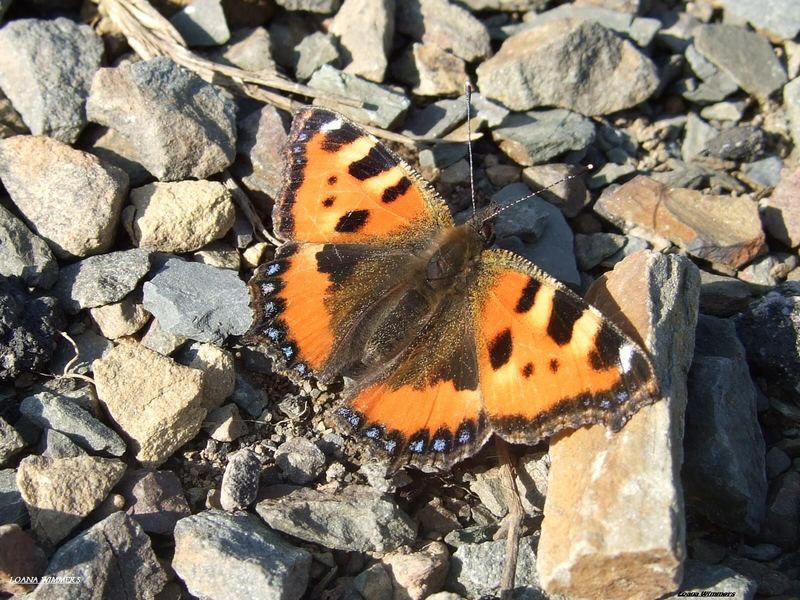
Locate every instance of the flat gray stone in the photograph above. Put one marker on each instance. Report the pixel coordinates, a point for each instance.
(101, 280)
(50, 94)
(476, 569)
(537, 136)
(430, 71)
(91, 347)
(580, 66)
(55, 444)
(300, 460)
(180, 126)
(198, 301)
(202, 23)
(240, 481)
(314, 51)
(115, 555)
(743, 144)
(50, 411)
(765, 172)
(745, 56)
(593, 249)
(249, 48)
(779, 18)
(365, 29)
(24, 254)
(383, 107)
(231, 556)
(715, 84)
(356, 518)
(723, 471)
(436, 119)
(444, 24)
(11, 441)
(697, 135)
(722, 296)
(154, 499)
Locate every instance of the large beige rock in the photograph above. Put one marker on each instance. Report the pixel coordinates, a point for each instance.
(216, 364)
(157, 403)
(181, 216)
(781, 211)
(60, 492)
(614, 523)
(70, 198)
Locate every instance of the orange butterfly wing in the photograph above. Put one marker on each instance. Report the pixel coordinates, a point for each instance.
(548, 360)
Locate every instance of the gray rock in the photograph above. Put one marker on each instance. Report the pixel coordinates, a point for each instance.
(765, 172)
(724, 111)
(430, 71)
(68, 197)
(365, 29)
(698, 134)
(91, 347)
(202, 23)
(231, 556)
(115, 555)
(767, 580)
(300, 460)
(154, 499)
(24, 254)
(783, 512)
(101, 280)
(11, 441)
(50, 94)
(743, 144)
(240, 481)
(538, 231)
(791, 104)
(770, 332)
(559, 184)
(777, 462)
(715, 84)
(475, 569)
(114, 149)
(745, 56)
(384, 107)
(250, 398)
(591, 250)
(355, 518)
(779, 18)
(723, 296)
(60, 414)
(161, 341)
(180, 126)
(249, 48)
(723, 471)
(700, 578)
(445, 25)
(760, 552)
(28, 326)
(537, 136)
(199, 302)
(324, 7)
(436, 119)
(314, 51)
(55, 444)
(583, 67)
(12, 507)
(262, 136)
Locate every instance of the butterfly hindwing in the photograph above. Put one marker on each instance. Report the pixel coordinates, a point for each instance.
(343, 186)
(548, 360)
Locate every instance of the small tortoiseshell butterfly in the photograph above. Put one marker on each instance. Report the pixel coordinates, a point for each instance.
(443, 341)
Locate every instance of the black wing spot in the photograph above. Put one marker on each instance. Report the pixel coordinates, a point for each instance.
(528, 297)
(335, 139)
(527, 370)
(374, 163)
(338, 262)
(332, 180)
(563, 317)
(554, 365)
(328, 202)
(392, 193)
(606, 348)
(500, 349)
(352, 221)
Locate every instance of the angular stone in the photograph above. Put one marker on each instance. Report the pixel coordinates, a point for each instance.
(723, 471)
(114, 149)
(180, 216)
(90, 347)
(101, 280)
(607, 13)
(199, 302)
(12, 507)
(11, 441)
(20, 558)
(446, 25)
(219, 254)
(781, 522)
(161, 341)
(24, 254)
(743, 144)
(120, 319)
(46, 67)
(314, 51)
(202, 23)
(65, 416)
(383, 106)
(225, 424)
(262, 136)
(746, 56)
(715, 84)
(68, 197)
(60, 492)
(537, 136)
(700, 579)
(558, 184)
(249, 48)
(591, 250)
(722, 296)
(476, 569)
(225, 556)
(55, 444)
(216, 364)
(781, 211)
(582, 67)
(239, 487)
(590, 547)
(436, 119)
(777, 17)
(696, 137)
(300, 460)
(365, 29)
(417, 575)
(155, 402)
(720, 229)
(356, 518)
(180, 126)
(115, 555)
(155, 500)
(431, 71)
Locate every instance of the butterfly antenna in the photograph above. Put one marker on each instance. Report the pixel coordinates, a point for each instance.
(469, 147)
(492, 215)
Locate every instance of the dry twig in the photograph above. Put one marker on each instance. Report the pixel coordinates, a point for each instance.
(513, 520)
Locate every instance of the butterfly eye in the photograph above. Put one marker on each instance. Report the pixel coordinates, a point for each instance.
(487, 232)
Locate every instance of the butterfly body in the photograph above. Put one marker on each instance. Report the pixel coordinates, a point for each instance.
(443, 340)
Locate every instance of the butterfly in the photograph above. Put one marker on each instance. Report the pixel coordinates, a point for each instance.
(442, 340)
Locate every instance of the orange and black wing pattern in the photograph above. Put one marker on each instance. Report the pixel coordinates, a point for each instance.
(343, 186)
(548, 360)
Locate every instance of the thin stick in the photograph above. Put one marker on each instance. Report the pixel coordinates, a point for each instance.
(513, 518)
(247, 208)
(469, 148)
